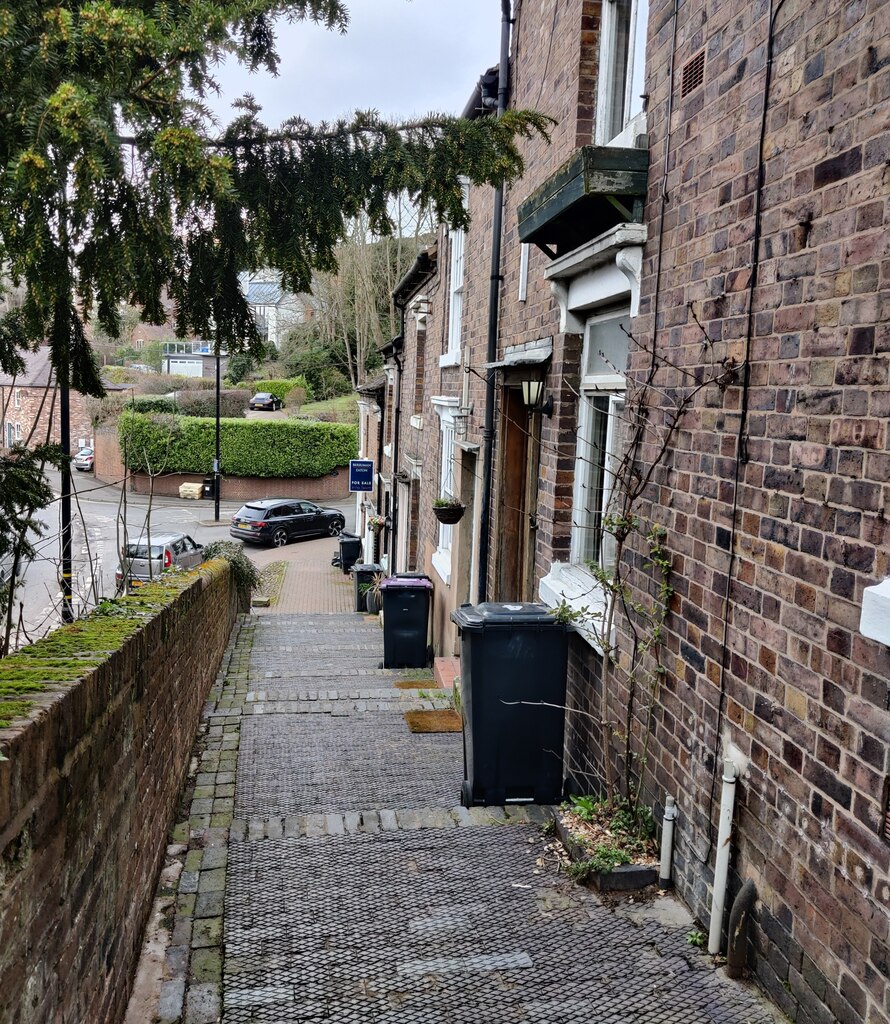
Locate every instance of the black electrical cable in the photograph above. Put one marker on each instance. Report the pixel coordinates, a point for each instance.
(741, 440)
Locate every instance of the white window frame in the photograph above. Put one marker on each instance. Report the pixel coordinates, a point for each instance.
(17, 398)
(18, 431)
(574, 583)
(445, 407)
(457, 238)
(523, 272)
(634, 71)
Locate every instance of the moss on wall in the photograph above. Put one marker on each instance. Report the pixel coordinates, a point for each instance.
(71, 652)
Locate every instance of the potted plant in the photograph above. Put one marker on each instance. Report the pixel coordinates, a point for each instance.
(373, 594)
(448, 510)
(376, 523)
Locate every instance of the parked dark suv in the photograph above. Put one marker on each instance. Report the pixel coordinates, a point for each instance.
(278, 520)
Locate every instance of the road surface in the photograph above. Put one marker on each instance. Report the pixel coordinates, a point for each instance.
(98, 517)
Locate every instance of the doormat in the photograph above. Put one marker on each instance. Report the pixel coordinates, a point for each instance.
(416, 684)
(445, 720)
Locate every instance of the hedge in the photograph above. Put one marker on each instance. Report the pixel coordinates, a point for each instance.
(267, 448)
(232, 402)
(280, 387)
(153, 403)
(195, 403)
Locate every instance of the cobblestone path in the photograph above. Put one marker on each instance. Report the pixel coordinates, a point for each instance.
(329, 875)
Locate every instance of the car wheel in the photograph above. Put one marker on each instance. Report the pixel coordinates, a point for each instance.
(279, 538)
(335, 528)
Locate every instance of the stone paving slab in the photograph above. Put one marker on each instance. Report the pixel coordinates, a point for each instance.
(460, 925)
(356, 761)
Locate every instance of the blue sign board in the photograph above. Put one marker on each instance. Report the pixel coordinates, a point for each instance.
(361, 475)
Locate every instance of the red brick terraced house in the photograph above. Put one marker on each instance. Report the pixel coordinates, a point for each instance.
(767, 217)
(29, 404)
(707, 230)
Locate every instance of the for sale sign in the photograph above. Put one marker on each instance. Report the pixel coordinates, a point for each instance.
(361, 475)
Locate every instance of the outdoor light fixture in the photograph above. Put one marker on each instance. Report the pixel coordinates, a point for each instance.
(461, 417)
(532, 393)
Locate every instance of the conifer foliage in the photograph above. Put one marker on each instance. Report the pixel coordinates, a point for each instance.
(116, 184)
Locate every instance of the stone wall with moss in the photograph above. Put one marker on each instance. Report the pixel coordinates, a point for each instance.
(97, 722)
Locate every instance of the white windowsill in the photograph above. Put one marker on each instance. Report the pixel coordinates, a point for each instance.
(417, 422)
(442, 564)
(450, 358)
(578, 588)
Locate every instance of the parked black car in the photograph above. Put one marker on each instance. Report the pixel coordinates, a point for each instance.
(263, 400)
(278, 520)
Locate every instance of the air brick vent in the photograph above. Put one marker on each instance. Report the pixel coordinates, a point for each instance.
(693, 73)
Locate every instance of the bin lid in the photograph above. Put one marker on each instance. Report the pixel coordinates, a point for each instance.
(372, 567)
(501, 613)
(406, 583)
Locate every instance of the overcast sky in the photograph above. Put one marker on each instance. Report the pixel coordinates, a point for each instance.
(401, 57)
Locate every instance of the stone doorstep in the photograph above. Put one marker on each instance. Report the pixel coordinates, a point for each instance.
(445, 671)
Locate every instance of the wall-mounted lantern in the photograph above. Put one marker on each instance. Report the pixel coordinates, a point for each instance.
(532, 395)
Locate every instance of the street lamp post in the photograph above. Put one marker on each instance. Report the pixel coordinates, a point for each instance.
(216, 473)
(65, 441)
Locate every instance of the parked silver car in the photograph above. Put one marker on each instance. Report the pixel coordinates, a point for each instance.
(147, 559)
(84, 460)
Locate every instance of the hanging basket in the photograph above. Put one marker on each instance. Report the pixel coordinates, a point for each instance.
(449, 514)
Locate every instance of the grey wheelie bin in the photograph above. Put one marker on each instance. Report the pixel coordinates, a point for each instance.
(406, 616)
(513, 664)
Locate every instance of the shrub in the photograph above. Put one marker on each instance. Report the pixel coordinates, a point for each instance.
(244, 571)
(119, 374)
(164, 383)
(267, 448)
(296, 398)
(153, 403)
(232, 403)
(279, 387)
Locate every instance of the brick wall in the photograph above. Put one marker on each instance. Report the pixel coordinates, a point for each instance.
(249, 488)
(798, 691)
(553, 70)
(88, 787)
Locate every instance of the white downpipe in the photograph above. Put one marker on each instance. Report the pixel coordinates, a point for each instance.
(667, 843)
(721, 866)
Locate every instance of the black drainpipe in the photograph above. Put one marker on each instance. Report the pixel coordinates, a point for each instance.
(381, 401)
(494, 293)
(397, 344)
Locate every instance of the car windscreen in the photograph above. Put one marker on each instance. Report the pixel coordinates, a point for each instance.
(85, 451)
(141, 551)
(262, 395)
(251, 512)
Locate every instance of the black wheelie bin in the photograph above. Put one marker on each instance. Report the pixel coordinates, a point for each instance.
(513, 665)
(406, 616)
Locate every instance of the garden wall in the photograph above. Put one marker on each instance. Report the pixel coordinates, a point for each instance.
(88, 786)
(109, 467)
(333, 487)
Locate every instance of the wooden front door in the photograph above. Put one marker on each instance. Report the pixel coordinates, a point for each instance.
(516, 524)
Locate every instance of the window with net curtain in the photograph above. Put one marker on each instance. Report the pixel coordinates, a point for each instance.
(600, 434)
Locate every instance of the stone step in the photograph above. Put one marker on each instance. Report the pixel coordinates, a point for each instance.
(387, 820)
